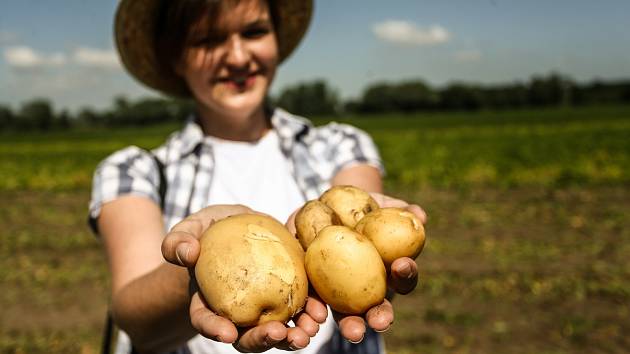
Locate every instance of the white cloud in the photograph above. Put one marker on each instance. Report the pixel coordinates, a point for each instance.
(26, 57)
(467, 56)
(404, 32)
(101, 58)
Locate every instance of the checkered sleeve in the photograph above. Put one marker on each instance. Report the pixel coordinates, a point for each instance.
(130, 171)
(351, 146)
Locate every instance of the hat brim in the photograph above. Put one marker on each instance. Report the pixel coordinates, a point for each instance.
(135, 26)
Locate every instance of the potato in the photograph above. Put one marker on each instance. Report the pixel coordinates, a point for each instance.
(346, 270)
(251, 270)
(394, 232)
(313, 217)
(349, 203)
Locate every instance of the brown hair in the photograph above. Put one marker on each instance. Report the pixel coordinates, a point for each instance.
(180, 19)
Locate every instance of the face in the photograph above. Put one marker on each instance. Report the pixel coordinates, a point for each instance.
(229, 69)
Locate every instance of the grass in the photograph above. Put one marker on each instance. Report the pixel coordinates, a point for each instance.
(552, 148)
(527, 240)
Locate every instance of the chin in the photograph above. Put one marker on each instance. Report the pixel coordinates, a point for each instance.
(242, 106)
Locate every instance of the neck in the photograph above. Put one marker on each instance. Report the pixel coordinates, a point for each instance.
(237, 128)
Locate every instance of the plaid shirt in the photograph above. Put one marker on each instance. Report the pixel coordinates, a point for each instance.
(314, 154)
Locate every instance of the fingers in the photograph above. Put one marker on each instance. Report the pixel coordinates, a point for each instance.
(316, 308)
(389, 202)
(297, 338)
(209, 324)
(381, 317)
(307, 324)
(352, 328)
(403, 277)
(261, 338)
(181, 245)
(254, 339)
(213, 213)
(418, 212)
(290, 224)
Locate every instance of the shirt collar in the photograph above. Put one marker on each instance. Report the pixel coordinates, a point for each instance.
(288, 127)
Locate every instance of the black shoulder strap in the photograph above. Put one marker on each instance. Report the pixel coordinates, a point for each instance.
(163, 183)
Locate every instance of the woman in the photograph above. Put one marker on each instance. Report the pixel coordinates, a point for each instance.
(234, 150)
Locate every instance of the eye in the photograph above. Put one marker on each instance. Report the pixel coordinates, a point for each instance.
(256, 32)
(208, 41)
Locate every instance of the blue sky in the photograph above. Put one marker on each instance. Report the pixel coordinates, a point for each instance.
(63, 49)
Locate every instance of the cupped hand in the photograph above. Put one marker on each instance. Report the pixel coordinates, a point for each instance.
(402, 279)
(181, 247)
(273, 334)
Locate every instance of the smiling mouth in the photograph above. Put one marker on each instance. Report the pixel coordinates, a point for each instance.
(240, 81)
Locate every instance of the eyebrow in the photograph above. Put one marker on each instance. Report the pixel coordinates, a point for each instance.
(259, 22)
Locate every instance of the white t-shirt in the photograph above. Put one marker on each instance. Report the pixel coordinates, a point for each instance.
(256, 175)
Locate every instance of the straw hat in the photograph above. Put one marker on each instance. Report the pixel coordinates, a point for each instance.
(136, 22)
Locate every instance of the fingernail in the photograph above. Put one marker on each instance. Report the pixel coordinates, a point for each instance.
(294, 346)
(405, 270)
(383, 330)
(181, 252)
(359, 341)
(270, 341)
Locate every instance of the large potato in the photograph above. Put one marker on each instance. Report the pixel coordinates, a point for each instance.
(349, 203)
(313, 217)
(394, 232)
(346, 270)
(251, 270)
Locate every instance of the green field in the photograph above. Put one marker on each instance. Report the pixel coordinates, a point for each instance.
(528, 235)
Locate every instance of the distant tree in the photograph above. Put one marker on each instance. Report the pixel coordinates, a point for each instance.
(602, 92)
(149, 110)
(309, 98)
(6, 118)
(36, 114)
(121, 103)
(378, 97)
(351, 106)
(180, 109)
(460, 96)
(63, 120)
(514, 95)
(626, 92)
(552, 90)
(412, 96)
(87, 116)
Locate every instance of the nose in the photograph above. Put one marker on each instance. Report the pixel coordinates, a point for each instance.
(237, 54)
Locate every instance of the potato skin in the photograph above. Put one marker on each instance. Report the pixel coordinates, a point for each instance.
(251, 270)
(394, 232)
(311, 219)
(349, 203)
(346, 270)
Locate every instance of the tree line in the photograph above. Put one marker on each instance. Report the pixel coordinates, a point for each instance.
(318, 98)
